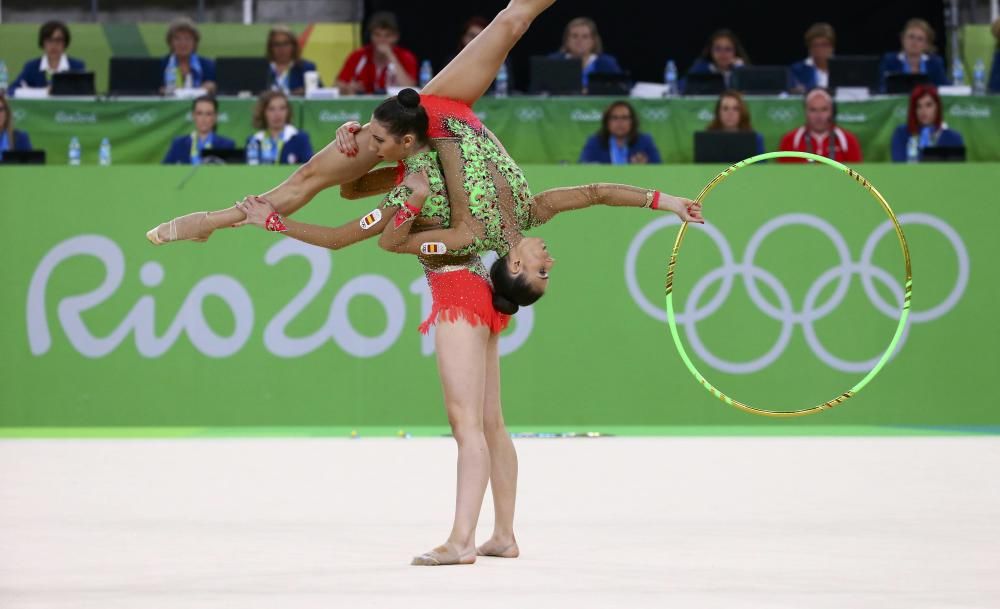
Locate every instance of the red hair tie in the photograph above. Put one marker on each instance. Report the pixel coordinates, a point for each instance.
(656, 200)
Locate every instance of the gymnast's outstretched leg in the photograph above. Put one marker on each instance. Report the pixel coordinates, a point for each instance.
(329, 167)
(468, 76)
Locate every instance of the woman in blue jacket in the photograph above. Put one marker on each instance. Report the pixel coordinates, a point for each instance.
(923, 127)
(288, 69)
(184, 68)
(619, 141)
(723, 54)
(995, 71)
(278, 142)
(192, 148)
(814, 70)
(53, 39)
(10, 138)
(582, 41)
(917, 56)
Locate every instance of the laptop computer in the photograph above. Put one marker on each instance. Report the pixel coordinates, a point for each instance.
(22, 157)
(135, 76)
(609, 83)
(237, 75)
(854, 71)
(761, 80)
(724, 146)
(232, 156)
(943, 154)
(704, 84)
(73, 83)
(556, 76)
(903, 84)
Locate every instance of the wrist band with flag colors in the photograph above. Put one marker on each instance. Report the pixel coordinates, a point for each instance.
(274, 223)
(904, 315)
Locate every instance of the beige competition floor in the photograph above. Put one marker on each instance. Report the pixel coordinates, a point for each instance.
(790, 523)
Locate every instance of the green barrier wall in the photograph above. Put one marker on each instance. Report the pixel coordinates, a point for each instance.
(534, 130)
(99, 328)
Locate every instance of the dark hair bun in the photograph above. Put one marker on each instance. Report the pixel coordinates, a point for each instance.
(408, 98)
(503, 305)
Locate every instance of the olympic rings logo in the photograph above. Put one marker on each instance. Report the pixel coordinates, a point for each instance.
(142, 117)
(530, 114)
(656, 115)
(786, 313)
(780, 114)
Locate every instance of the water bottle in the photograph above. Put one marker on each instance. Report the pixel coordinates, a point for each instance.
(4, 77)
(390, 77)
(500, 89)
(169, 80)
(670, 79)
(104, 153)
(266, 151)
(74, 151)
(253, 152)
(912, 151)
(425, 73)
(979, 77)
(958, 73)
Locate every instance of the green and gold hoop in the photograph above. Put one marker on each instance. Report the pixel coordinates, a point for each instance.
(908, 289)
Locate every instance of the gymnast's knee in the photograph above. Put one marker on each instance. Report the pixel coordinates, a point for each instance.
(515, 19)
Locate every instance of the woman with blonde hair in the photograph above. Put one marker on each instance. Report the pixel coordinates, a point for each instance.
(184, 68)
(582, 41)
(918, 55)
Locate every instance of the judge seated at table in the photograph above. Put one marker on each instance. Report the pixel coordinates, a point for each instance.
(192, 148)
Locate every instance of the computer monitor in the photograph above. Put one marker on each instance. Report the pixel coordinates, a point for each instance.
(903, 84)
(854, 71)
(556, 76)
(232, 156)
(237, 75)
(704, 84)
(761, 80)
(943, 154)
(724, 146)
(73, 83)
(609, 83)
(22, 157)
(135, 76)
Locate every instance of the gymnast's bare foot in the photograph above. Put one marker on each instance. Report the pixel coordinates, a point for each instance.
(501, 547)
(448, 554)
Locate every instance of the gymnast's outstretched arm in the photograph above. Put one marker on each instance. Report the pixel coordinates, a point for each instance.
(545, 205)
(259, 212)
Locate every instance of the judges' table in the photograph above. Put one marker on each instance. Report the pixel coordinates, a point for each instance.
(534, 129)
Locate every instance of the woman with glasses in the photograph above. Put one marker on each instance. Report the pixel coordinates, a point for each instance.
(288, 69)
(53, 39)
(619, 141)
